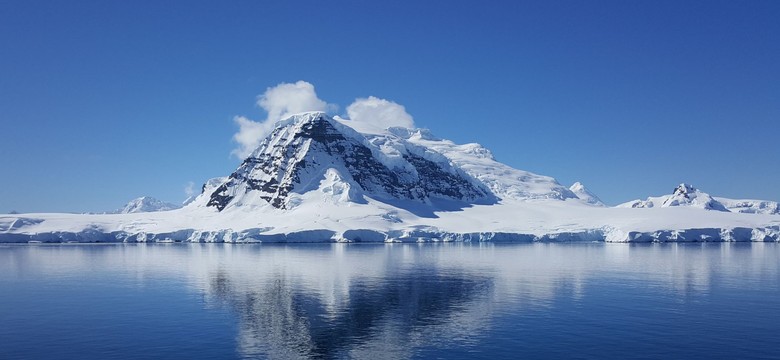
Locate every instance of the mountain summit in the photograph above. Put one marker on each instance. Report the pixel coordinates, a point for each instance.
(385, 164)
(585, 195)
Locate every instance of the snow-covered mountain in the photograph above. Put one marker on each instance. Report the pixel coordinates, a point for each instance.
(395, 164)
(585, 195)
(319, 178)
(146, 204)
(308, 147)
(687, 195)
(683, 195)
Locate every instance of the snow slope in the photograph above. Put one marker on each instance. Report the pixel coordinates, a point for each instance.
(317, 178)
(209, 186)
(585, 195)
(750, 206)
(687, 195)
(684, 195)
(146, 204)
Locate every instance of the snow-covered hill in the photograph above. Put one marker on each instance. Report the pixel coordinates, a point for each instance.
(585, 195)
(683, 195)
(317, 178)
(146, 204)
(687, 195)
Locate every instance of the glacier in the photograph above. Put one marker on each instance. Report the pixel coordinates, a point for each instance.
(146, 204)
(318, 178)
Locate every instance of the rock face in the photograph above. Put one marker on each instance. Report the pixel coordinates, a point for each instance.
(146, 204)
(297, 155)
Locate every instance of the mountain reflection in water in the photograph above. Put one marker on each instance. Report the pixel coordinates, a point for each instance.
(378, 316)
(389, 301)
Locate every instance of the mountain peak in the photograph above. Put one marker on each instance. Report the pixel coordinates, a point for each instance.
(684, 189)
(585, 195)
(577, 186)
(302, 148)
(687, 195)
(683, 195)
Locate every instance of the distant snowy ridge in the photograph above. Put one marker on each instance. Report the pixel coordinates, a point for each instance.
(687, 195)
(683, 195)
(146, 204)
(750, 206)
(316, 178)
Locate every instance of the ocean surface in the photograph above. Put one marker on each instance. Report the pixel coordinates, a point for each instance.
(390, 301)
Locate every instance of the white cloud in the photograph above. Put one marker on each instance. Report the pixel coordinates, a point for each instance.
(379, 112)
(286, 99)
(189, 189)
(250, 134)
(279, 102)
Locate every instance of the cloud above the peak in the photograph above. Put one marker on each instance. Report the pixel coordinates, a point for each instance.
(250, 134)
(379, 112)
(279, 102)
(287, 99)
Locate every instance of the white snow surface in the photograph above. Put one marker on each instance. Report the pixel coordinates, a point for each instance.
(475, 160)
(208, 187)
(333, 207)
(146, 204)
(585, 195)
(684, 195)
(748, 206)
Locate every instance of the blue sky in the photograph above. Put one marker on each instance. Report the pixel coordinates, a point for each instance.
(104, 101)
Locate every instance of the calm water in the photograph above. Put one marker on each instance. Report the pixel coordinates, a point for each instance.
(395, 301)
